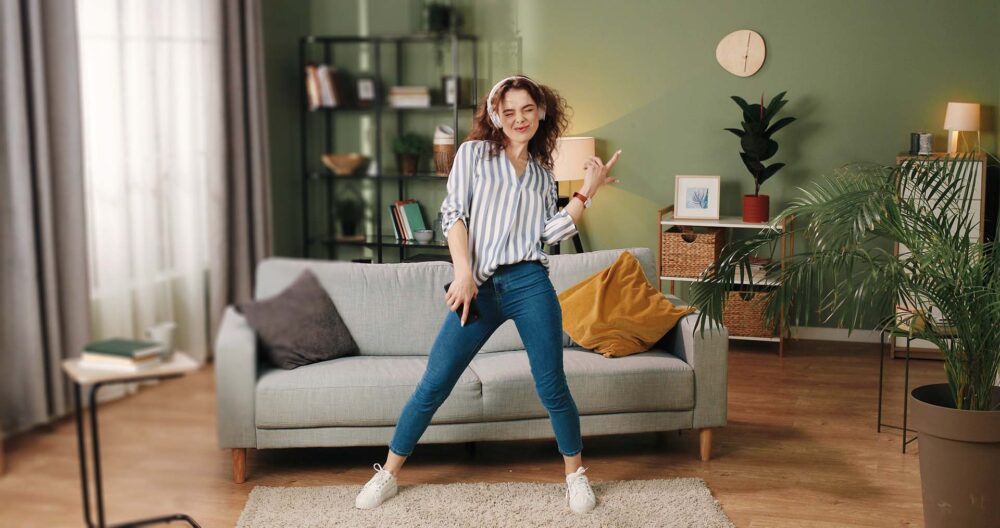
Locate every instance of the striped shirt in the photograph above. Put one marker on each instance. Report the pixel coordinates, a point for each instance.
(508, 217)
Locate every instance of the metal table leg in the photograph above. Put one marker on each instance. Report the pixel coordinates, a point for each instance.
(96, 457)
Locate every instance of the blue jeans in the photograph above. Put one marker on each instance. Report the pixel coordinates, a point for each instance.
(521, 292)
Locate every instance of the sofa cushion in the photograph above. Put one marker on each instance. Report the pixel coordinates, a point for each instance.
(356, 391)
(616, 312)
(653, 381)
(300, 325)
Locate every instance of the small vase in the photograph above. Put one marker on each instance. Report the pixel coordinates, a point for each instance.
(756, 209)
(407, 164)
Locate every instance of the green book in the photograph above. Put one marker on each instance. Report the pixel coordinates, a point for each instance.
(414, 217)
(127, 348)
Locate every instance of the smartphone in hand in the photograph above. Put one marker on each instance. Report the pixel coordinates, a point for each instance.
(473, 310)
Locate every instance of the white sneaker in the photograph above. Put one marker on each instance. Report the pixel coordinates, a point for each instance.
(381, 487)
(578, 493)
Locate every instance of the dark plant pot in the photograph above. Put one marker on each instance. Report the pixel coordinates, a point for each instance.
(756, 209)
(348, 228)
(959, 459)
(439, 18)
(407, 164)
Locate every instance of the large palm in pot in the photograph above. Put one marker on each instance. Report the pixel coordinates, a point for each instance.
(943, 286)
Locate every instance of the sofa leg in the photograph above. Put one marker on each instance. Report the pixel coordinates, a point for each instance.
(705, 441)
(239, 465)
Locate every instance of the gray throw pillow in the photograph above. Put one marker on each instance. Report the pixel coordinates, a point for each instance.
(300, 325)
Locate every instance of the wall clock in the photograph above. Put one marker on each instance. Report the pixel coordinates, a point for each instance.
(741, 52)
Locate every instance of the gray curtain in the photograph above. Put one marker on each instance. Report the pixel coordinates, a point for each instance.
(241, 235)
(44, 292)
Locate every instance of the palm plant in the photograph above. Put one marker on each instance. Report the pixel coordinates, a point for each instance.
(943, 282)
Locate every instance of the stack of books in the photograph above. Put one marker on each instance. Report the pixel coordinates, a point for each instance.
(126, 355)
(406, 218)
(409, 97)
(322, 87)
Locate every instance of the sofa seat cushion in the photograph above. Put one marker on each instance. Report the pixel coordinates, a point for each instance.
(651, 381)
(356, 391)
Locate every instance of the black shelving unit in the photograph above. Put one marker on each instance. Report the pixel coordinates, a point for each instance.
(314, 173)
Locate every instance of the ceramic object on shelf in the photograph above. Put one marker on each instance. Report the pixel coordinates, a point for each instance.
(756, 209)
(424, 235)
(444, 149)
(344, 164)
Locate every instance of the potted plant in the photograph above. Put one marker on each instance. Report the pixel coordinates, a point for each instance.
(408, 147)
(349, 212)
(758, 146)
(944, 287)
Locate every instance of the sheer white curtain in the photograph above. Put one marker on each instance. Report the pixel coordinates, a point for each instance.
(153, 136)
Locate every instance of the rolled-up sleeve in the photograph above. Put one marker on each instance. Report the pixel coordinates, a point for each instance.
(558, 225)
(458, 202)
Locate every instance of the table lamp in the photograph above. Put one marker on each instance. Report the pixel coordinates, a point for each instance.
(567, 165)
(961, 117)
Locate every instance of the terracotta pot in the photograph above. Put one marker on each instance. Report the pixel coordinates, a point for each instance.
(756, 208)
(407, 164)
(959, 459)
(444, 158)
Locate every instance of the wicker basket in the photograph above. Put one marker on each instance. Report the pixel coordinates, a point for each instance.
(744, 315)
(687, 253)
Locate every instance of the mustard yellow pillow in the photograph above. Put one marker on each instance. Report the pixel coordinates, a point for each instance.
(616, 312)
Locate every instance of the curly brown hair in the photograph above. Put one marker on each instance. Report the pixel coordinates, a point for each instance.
(543, 143)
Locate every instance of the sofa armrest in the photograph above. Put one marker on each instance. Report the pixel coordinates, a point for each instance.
(236, 381)
(708, 355)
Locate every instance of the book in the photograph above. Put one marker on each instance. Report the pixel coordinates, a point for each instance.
(312, 87)
(414, 217)
(93, 357)
(395, 222)
(121, 367)
(407, 230)
(125, 348)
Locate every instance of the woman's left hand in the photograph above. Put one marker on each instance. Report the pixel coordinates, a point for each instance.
(596, 173)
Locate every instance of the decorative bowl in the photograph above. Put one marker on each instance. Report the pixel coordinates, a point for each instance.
(424, 235)
(344, 164)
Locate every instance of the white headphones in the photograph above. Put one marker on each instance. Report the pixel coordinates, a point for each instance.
(495, 116)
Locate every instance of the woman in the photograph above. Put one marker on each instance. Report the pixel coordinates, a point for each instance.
(500, 209)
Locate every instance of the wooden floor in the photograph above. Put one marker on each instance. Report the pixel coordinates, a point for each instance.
(800, 450)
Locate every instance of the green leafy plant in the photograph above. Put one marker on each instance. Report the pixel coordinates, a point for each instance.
(755, 136)
(942, 287)
(410, 144)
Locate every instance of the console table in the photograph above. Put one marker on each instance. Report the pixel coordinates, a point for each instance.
(179, 365)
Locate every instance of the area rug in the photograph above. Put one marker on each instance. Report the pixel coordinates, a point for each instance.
(675, 502)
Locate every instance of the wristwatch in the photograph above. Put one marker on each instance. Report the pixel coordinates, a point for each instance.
(583, 198)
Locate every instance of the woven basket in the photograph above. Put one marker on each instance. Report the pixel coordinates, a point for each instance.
(688, 254)
(745, 316)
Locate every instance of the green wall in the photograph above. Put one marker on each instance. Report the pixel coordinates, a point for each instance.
(642, 76)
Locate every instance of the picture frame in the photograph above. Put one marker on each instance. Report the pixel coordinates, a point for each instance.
(696, 197)
(365, 91)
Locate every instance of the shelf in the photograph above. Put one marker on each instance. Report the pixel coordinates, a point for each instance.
(389, 241)
(431, 108)
(724, 221)
(748, 338)
(421, 37)
(389, 176)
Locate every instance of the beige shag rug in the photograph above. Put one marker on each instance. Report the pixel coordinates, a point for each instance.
(675, 502)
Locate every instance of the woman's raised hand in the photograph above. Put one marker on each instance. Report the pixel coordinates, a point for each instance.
(596, 173)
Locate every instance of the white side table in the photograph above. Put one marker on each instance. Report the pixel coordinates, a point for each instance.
(178, 366)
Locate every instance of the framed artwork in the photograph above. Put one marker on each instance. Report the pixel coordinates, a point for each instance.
(696, 197)
(366, 91)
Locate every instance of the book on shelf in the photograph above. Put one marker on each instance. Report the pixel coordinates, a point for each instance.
(323, 86)
(409, 96)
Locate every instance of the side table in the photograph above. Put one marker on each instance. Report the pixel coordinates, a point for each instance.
(179, 365)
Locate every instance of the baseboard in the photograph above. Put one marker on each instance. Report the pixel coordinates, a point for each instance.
(818, 333)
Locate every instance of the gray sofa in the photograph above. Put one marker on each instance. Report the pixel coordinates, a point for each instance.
(394, 312)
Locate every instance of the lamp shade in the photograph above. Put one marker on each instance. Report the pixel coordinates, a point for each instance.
(570, 155)
(963, 117)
